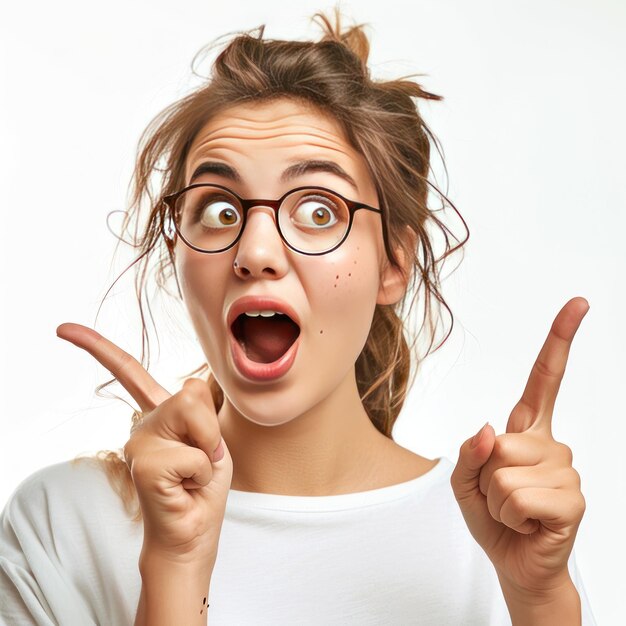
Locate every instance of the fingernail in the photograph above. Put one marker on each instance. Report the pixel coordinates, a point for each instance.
(218, 454)
(477, 437)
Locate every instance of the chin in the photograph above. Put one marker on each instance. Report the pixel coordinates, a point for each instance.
(273, 408)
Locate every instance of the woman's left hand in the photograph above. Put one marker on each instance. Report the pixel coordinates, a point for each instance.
(518, 492)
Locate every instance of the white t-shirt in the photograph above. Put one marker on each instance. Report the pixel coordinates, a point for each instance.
(397, 555)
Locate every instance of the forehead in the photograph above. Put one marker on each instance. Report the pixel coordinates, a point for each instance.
(260, 137)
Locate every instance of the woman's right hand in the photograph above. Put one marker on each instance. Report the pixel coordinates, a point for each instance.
(179, 463)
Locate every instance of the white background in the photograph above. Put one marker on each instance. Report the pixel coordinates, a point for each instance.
(533, 131)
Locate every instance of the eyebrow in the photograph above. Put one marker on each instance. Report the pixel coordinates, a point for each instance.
(293, 171)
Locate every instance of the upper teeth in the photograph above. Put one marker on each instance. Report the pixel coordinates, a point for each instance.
(262, 313)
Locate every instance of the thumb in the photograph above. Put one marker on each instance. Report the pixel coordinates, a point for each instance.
(474, 453)
(222, 467)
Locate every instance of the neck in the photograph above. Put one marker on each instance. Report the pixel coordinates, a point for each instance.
(331, 449)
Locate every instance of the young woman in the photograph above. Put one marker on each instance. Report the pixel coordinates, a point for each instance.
(292, 213)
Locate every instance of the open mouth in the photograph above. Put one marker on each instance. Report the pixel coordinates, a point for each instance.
(265, 339)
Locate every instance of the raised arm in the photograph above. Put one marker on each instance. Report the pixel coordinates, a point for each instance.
(182, 471)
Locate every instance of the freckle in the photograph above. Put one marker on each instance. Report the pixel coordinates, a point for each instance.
(355, 262)
(200, 611)
(335, 285)
(349, 274)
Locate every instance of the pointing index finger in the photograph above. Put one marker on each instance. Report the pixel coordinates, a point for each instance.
(130, 373)
(547, 373)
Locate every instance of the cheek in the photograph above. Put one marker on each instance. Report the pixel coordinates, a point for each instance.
(343, 294)
(202, 286)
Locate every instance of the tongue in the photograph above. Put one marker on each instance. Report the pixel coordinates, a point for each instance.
(266, 339)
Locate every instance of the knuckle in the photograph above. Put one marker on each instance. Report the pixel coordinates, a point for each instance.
(191, 415)
(566, 452)
(191, 383)
(517, 502)
(186, 399)
(127, 360)
(502, 480)
(543, 369)
(503, 446)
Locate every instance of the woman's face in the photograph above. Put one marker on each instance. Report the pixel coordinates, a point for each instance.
(334, 295)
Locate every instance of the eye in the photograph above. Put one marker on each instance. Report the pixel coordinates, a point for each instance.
(216, 212)
(315, 210)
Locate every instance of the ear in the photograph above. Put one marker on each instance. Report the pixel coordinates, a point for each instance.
(393, 282)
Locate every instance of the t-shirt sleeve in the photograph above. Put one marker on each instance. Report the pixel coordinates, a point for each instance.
(33, 588)
(22, 601)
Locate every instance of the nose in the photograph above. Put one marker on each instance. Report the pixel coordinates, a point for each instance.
(260, 250)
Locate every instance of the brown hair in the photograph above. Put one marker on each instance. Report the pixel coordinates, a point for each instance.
(381, 121)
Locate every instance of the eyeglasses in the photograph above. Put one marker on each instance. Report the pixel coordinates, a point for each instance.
(311, 220)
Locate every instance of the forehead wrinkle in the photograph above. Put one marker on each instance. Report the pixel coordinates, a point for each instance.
(269, 133)
(209, 146)
(273, 117)
(231, 125)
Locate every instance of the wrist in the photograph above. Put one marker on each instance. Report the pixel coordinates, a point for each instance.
(558, 604)
(153, 563)
(199, 560)
(172, 591)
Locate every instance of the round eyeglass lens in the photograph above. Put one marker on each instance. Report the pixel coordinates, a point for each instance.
(313, 220)
(208, 218)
